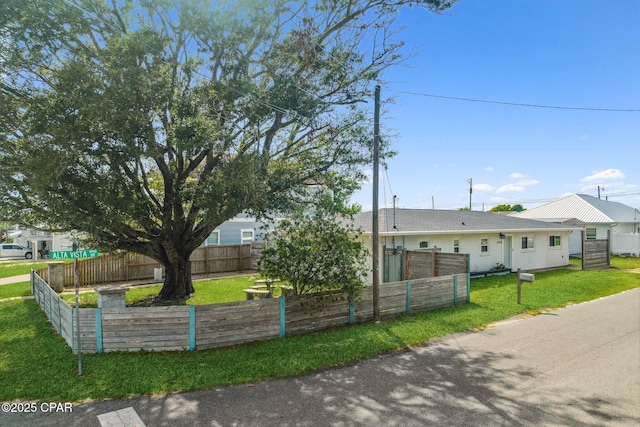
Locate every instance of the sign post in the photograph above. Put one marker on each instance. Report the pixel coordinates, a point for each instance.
(524, 277)
(87, 253)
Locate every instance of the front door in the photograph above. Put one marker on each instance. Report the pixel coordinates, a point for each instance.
(507, 251)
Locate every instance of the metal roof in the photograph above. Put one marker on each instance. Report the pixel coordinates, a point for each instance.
(428, 221)
(587, 209)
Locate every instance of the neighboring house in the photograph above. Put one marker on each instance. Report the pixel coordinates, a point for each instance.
(596, 217)
(43, 240)
(240, 229)
(490, 239)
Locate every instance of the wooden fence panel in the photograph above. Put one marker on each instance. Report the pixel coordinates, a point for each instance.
(87, 330)
(123, 267)
(148, 328)
(393, 299)
(363, 306)
(55, 308)
(220, 325)
(595, 254)
(307, 313)
(425, 263)
(433, 294)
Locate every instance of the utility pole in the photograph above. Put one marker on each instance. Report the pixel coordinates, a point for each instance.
(599, 191)
(374, 236)
(470, 181)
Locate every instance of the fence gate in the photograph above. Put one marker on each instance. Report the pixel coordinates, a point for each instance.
(393, 266)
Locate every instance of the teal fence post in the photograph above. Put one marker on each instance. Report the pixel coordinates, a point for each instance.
(192, 327)
(352, 313)
(283, 323)
(99, 330)
(408, 308)
(455, 290)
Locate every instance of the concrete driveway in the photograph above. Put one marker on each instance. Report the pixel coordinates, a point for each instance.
(578, 366)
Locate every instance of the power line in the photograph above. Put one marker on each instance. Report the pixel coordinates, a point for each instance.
(518, 104)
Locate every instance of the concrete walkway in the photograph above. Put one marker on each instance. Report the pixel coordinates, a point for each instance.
(15, 279)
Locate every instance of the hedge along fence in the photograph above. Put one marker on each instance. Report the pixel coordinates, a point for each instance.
(219, 325)
(123, 267)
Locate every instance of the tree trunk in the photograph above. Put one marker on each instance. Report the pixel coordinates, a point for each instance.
(177, 283)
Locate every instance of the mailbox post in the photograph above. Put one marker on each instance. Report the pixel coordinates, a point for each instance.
(524, 277)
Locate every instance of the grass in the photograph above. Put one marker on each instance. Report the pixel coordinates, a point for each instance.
(8, 269)
(36, 364)
(213, 291)
(21, 289)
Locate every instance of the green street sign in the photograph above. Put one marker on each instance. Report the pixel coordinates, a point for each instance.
(88, 253)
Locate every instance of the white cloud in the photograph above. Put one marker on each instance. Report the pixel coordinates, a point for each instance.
(484, 187)
(489, 169)
(510, 188)
(526, 182)
(516, 175)
(605, 175)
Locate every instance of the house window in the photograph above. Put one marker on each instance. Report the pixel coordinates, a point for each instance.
(484, 246)
(213, 239)
(554, 241)
(527, 242)
(591, 234)
(456, 246)
(246, 236)
(424, 244)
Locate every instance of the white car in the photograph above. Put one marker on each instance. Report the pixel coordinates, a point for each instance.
(11, 250)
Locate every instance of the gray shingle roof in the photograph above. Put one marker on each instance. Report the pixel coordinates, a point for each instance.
(414, 221)
(587, 209)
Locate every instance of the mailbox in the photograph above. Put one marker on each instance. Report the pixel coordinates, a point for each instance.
(526, 277)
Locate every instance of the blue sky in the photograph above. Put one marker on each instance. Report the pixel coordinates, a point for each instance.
(569, 53)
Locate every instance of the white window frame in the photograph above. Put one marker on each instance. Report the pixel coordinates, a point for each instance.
(456, 246)
(527, 243)
(552, 241)
(588, 233)
(243, 239)
(217, 233)
(485, 245)
(425, 246)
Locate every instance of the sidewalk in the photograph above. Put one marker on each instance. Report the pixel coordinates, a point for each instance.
(15, 279)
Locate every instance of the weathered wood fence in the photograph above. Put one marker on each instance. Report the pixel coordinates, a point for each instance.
(423, 263)
(219, 325)
(596, 253)
(124, 267)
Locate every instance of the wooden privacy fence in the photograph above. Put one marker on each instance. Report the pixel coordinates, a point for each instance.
(124, 267)
(432, 263)
(218, 325)
(596, 253)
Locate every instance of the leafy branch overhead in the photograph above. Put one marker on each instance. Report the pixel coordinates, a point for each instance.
(146, 124)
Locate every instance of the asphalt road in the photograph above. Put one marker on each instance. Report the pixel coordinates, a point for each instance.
(578, 366)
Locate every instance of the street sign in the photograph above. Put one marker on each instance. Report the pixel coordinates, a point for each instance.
(85, 253)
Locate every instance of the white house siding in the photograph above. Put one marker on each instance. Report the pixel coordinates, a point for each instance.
(540, 256)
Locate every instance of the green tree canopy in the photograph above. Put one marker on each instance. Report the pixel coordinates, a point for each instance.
(145, 124)
(315, 252)
(507, 208)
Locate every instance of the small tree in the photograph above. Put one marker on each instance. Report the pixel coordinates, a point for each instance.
(314, 253)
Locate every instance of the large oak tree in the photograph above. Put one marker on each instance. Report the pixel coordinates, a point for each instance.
(145, 124)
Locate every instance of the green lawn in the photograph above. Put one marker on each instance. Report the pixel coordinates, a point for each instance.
(213, 291)
(36, 364)
(21, 289)
(11, 268)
